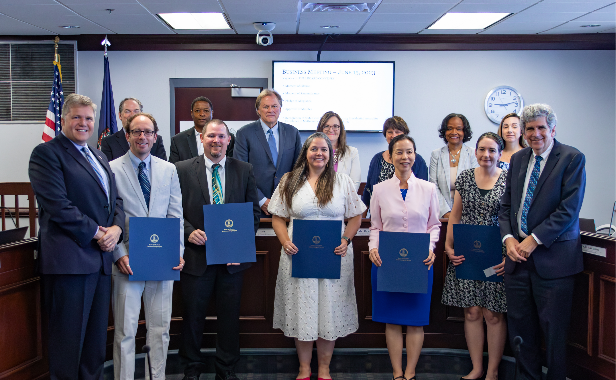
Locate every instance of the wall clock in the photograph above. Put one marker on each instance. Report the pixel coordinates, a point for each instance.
(501, 101)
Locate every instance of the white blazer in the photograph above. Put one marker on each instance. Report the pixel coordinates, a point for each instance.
(349, 165)
(440, 176)
(165, 196)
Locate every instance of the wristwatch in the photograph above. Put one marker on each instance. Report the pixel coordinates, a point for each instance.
(348, 240)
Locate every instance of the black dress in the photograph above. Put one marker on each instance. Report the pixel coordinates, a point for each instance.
(481, 210)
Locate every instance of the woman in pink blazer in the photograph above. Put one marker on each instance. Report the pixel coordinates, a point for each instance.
(403, 203)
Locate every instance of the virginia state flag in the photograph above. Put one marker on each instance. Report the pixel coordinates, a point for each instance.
(107, 124)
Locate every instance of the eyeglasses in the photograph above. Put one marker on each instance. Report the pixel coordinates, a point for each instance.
(334, 127)
(137, 133)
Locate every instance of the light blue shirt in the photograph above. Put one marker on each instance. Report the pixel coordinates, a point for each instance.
(275, 133)
(136, 161)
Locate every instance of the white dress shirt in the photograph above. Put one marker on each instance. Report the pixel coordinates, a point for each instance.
(221, 174)
(199, 143)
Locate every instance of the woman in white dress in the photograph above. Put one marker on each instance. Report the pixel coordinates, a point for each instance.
(310, 309)
(345, 157)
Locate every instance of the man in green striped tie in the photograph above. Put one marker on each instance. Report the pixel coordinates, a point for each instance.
(212, 178)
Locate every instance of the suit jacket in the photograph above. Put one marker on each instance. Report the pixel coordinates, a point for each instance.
(165, 196)
(72, 204)
(440, 175)
(252, 147)
(115, 146)
(553, 215)
(184, 146)
(240, 187)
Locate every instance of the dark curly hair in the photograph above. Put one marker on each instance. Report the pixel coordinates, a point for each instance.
(468, 134)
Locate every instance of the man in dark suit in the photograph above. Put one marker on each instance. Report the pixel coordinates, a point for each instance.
(187, 144)
(539, 222)
(81, 221)
(271, 147)
(212, 178)
(116, 145)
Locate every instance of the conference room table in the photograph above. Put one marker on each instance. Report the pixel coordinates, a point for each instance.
(23, 348)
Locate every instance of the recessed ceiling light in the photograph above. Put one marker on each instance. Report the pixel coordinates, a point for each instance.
(337, 7)
(69, 26)
(590, 26)
(195, 20)
(329, 26)
(467, 20)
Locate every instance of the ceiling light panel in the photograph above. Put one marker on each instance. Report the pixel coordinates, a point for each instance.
(195, 21)
(462, 21)
(337, 7)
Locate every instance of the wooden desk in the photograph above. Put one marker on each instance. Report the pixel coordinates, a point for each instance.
(592, 335)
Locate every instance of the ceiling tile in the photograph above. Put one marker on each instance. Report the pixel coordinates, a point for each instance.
(392, 27)
(11, 26)
(413, 8)
(488, 8)
(425, 18)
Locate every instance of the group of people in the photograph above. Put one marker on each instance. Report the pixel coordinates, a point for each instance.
(86, 199)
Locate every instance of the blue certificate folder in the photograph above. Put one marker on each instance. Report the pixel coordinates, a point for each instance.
(230, 231)
(315, 241)
(154, 248)
(402, 269)
(482, 249)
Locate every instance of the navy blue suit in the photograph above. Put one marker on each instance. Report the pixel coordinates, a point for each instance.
(251, 146)
(539, 291)
(75, 271)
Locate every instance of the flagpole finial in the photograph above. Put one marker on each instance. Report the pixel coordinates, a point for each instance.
(105, 43)
(56, 42)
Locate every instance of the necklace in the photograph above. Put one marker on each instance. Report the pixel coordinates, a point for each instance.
(454, 156)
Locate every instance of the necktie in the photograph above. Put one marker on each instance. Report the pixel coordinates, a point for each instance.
(144, 183)
(216, 186)
(532, 183)
(95, 167)
(272, 145)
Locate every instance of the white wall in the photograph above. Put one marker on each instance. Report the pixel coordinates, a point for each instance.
(579, 85)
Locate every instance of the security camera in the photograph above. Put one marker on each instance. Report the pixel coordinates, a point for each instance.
(265, 38)
(264, 34)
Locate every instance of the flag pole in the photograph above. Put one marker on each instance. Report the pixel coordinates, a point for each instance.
(53, 123)
(107, 120)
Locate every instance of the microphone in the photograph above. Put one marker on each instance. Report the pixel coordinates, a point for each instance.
(146, 350)
(517, 342)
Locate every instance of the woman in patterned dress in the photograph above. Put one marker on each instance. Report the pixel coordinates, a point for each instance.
(511, 133)
(477, 202)
(311, 309)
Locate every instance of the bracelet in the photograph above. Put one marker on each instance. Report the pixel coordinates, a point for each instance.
(348, 240)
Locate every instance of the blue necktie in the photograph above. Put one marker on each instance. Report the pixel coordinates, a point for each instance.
(272, 145)
(532, 183)
(95, 167)
(144, 183)
(216, 186)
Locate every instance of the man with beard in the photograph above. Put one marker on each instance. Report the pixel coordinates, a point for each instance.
(212, 178)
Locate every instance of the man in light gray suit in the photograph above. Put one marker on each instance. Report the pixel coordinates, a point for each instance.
(270, 146)
(150, 188)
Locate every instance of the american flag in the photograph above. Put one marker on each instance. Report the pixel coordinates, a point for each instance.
(52, 126)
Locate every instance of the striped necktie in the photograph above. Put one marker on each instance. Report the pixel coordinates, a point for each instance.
(144, 183)
(216, 186)
(532, 183)
(96, 170)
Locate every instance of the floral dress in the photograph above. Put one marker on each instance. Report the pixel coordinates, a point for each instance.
(481, 210)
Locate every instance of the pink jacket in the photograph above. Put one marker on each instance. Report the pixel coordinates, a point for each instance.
(418, 213)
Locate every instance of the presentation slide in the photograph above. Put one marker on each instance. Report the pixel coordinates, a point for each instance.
(362, 93)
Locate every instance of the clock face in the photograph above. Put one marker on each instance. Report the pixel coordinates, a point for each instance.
(501, 101)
